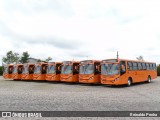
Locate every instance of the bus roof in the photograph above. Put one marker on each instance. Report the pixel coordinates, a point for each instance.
(90, 61)
(29, 64)
(70, 62)
(126, 60)
(41, 63)
(8, 64)
(18, 64)
(51, 63)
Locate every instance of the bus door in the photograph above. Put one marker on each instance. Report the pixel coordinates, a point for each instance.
(96, 71)
(58, 71)
(20, 69)
(123, 70)
(75, 72)
(44, 69)
(10, 70)
(31, 69)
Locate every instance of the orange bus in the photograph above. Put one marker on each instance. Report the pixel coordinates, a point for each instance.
(40, 71)
(17, 72)
(89, 72)
(53, 71)
(69, 71)
(121, 71)
(28, 70)
(7, 71)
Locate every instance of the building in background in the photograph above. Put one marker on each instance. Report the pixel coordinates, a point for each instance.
(32, 60)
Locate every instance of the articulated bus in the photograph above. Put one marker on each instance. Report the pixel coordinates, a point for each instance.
(28, 70)
(120, 71)
(17, 72)
(40, 71)
(89, 71)
(53, 71)
(7, 71)
(69, 71)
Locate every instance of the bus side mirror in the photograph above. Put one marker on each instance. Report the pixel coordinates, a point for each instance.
(98, 68)
(59, 68)
(75, 67)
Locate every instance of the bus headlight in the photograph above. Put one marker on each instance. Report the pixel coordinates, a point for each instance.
(69, 77)
(116, 79)
(91, 78)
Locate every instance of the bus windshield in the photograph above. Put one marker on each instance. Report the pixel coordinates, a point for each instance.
(51, 69)
(87, 69)
(25, 69)
(5, 69)
(15, 69)
(37, 69)
(110, 69)
(66, 69)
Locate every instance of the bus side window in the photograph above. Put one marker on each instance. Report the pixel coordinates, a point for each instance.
(130, 67)
(139, 66)
(154, 66)
(147, 65)
(135, 67)
(143, 66)
(151, 67)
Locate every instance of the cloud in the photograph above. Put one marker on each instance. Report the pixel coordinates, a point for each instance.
(61, 8)
(51, 41)
(75, 29)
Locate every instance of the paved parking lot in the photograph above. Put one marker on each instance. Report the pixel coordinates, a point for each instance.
(51, 96)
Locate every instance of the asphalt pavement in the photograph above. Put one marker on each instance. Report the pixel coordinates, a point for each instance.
(57, 96)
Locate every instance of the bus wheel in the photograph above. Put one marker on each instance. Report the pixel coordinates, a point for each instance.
(129, 82)
(149, 79)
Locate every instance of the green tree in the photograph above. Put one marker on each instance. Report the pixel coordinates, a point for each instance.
(48, 59)
(24, 57)
(140, 58)
(1, 71)
(158, 70)
(10, 57)
(39, 60)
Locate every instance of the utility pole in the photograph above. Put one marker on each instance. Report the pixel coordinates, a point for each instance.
(16, 54)
(117, 55)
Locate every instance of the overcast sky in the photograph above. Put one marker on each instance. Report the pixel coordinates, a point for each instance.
(75, 29)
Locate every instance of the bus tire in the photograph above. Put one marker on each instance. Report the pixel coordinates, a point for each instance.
(149, 79)
(129, 82)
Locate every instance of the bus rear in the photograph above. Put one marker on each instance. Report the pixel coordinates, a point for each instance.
(17, 72)
(53, 71)
(28, 70)
(40, 71)
(7, 71)
(88, 71)
(69, 71)
(119, 71)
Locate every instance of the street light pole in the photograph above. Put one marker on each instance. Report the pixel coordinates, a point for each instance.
(16, 54)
